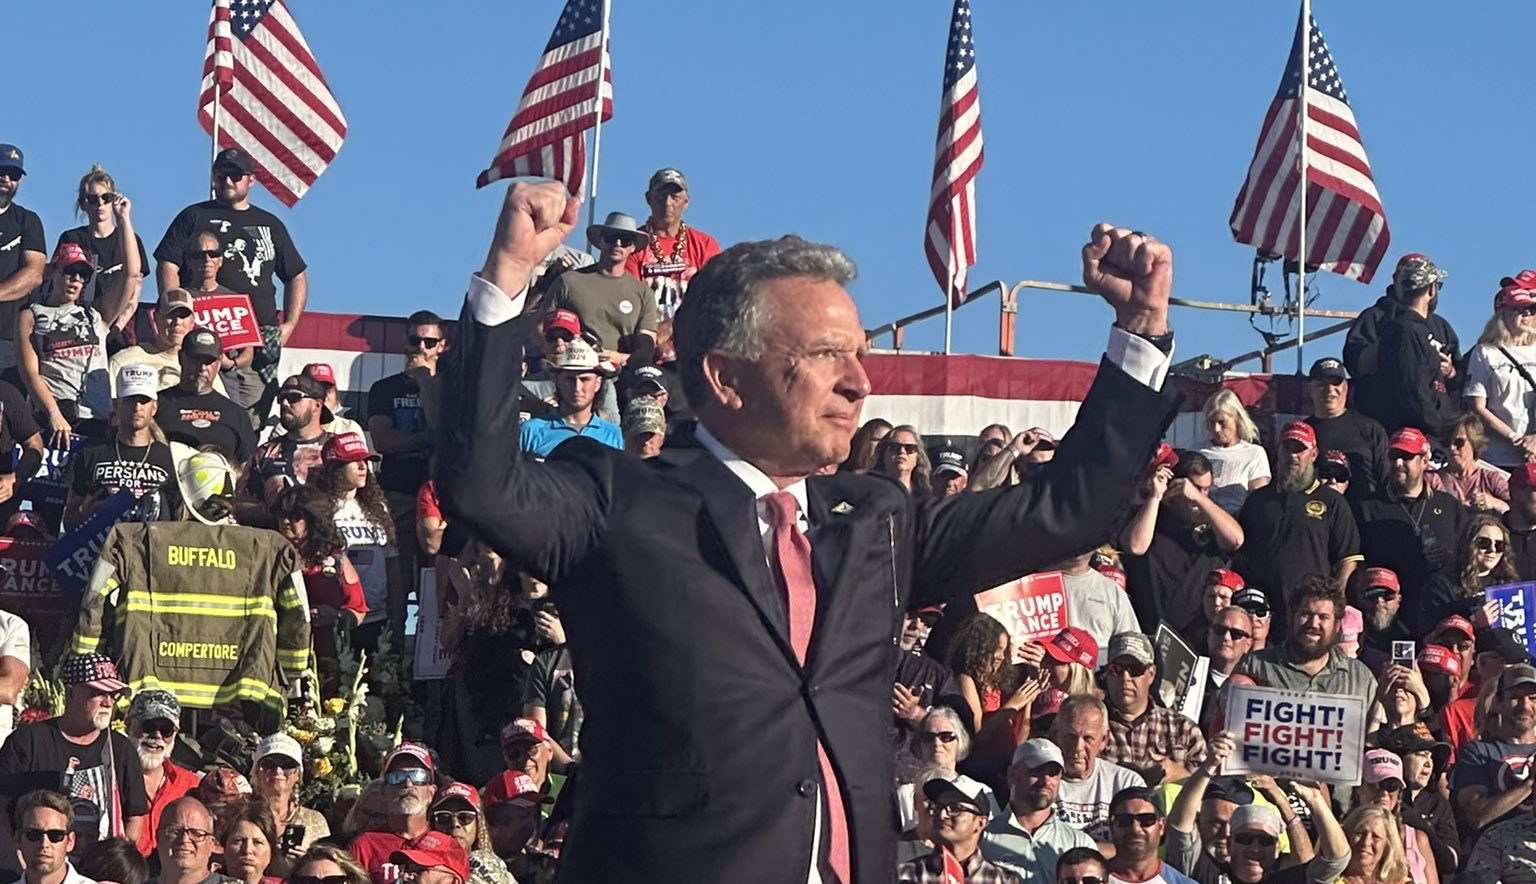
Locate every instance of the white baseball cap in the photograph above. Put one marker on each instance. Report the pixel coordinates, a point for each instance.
(138, 379)
(279, 744)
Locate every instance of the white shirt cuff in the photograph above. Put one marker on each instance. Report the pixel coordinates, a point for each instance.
(489, 305)
(1138, 357)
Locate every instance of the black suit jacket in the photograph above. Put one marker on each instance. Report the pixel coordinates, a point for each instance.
(699, 750)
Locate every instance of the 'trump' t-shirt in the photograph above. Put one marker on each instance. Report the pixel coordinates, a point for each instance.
(398, 398)
(199, 419)
(369, 549)
(1493, 377)
(37, 756)
(257, 248)
(71, 346)
(1084, 804)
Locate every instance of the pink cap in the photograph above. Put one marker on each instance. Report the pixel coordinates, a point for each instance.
(1352, 625)
(1382, 765)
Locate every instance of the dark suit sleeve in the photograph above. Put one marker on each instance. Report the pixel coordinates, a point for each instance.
(970, 542)
(540, 515)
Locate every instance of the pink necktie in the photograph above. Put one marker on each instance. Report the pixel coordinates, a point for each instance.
(791, 563)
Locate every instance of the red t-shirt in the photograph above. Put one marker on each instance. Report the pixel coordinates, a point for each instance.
(333, 583)
(426, 501)
(178, 782)
(1456, 721)
(372, 851)
(667, 276)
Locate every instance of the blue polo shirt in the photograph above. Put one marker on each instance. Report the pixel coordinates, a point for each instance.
(541, 435)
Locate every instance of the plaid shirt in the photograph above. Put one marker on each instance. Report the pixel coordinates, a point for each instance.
(930, 870)
(1158, 734)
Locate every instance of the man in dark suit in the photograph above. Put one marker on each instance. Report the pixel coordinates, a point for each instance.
(750, 746)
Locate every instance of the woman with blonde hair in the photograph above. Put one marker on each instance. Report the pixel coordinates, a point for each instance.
(1376, 848)
(901, 456)
(1501, 373)
(102, 239)
(325, 863)
(1477, 486)
(1238, 463)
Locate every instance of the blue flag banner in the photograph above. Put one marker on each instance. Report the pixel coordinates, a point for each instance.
(1517, 610)
(47, 486)
(74, 555)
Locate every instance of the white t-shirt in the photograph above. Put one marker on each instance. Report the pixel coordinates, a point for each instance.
(1232, 468)
(71, 347)
(369, 549)
(1099, 606)
(15, 641)
(1493, 377)
(1084, 804)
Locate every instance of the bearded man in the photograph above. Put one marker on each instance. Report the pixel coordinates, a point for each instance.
(154, 720)
(409, 787)
(1309, 659)
(1296, 526)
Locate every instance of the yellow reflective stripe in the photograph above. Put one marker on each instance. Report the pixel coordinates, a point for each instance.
(87, 644)
(202, 695)
(200, 604)
(108, 587)
(292, 659)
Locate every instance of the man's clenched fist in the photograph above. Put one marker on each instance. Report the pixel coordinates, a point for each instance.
(535, 218)
(1134, 273)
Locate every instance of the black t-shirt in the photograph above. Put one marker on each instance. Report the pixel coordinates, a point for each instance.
(16, 424)
(256, 248)
(103, 469)
(1166, 583)
(106, 256)
(398, 397)
(1290, 536)
(37, 756)
(1415, 538)
(1363, 440)
(206, 419)
(21, 231)
(1522, 545)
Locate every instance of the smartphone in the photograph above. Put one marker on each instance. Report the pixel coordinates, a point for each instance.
(1404, 653)
(293, 836)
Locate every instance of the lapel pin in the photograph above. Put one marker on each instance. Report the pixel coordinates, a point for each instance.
(842, 508)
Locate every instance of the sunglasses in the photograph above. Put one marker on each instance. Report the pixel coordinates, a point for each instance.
(227, 174)
(1134, 670)
(938, 737)
(292, 397)
(1457, 443)
(158, 728)
(905, 447)
(98, 199)
(1144, 820)
(206, 254)
(11, 174)
(1400, 455)
(559, 334)
(446, 819)
(1252, 839)
(275, 763)
(619, 239)
(1081, 879)
(1488, 544)
(1389, 786)
(1231, 632)
(318, 879)
(78, 272)
(419, 341)
(36, 835)
(1527, 311)
(416, 776)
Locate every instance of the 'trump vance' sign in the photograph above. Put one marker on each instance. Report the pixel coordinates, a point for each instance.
(1296, 735)
(1031, 608)
(230, 317)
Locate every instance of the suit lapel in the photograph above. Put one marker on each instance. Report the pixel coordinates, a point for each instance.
(837, 526)
(733, 517)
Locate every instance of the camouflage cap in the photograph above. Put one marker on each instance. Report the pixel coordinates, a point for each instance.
(1415, 273)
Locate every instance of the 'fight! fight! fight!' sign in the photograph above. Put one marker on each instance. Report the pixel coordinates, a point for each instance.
(1296, 735)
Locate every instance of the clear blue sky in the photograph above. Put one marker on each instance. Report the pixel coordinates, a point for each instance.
(818, 118)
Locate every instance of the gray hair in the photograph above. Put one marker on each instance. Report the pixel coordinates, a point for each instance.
(723, 311)
(1078, 704)
(963, 736)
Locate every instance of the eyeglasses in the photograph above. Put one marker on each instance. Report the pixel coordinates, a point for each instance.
(905, 447)
(36, 835)
(1134, 670)
(292, 397)
(196, 836)
(276, 763)
(447, 819)
(938, 737)
(619, 239)
(206, 254)
(158, 727)
(417, 340)
(1457, 443)
(1252, 839)
(416, 776)
(1231, 632)
(1488, 544)
(950, 810)
(98, 199)
(1144, 820)
(318, 879)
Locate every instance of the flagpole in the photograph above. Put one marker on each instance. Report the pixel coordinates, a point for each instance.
(949, 316)
(597, 126)
(1304, 41)
(216, 112)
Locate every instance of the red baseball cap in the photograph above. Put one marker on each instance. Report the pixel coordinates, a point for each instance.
(1165, 456)
(1441, 659)
(346, 448)
(1458, 623)
(459, 791)
(521, 730)
(514, 787)
(1408, 439)
(1226, 577)
(434, 850)
(1516, 291)
(1380, 578)
(1523, 476)
(1335, 456)
(70, 254)
(413, 751)
(1114, 573)
(1073, 645)
(322, 372)
(564, 320)
(1300, 431)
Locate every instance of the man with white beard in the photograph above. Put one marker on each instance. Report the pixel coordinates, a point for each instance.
(96, 766)
(409, 787)
(153, 722)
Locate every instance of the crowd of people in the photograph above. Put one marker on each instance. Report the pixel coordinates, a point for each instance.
(1305, 554)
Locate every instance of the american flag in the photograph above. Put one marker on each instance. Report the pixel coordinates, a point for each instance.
(950, 240)
(547, 135)
(275, 103)
(1346, 227)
